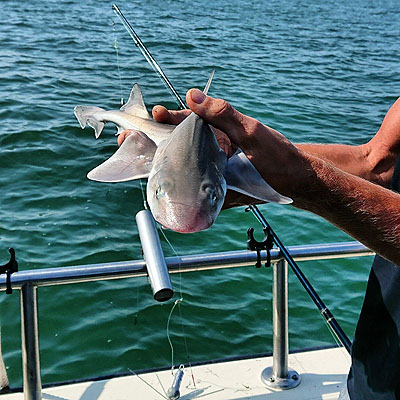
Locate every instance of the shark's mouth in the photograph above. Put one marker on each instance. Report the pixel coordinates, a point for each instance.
(184, 219)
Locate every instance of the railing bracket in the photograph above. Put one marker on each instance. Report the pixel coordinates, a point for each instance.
(8, 269)
(266, 244)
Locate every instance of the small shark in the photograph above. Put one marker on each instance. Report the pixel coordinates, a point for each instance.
(188, 173)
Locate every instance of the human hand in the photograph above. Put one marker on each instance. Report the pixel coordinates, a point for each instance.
(161, 114)
(232, 198)
(279, 162)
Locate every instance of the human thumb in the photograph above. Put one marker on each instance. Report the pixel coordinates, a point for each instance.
(218, 113)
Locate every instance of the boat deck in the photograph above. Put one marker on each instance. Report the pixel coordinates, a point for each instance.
(323, 372)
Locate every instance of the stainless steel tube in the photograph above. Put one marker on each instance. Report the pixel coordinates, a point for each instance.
(30, 343)
(280, 320)
(280, 376)
(154, 256)
(187, 263)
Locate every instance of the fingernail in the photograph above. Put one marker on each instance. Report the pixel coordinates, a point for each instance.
(197, 96)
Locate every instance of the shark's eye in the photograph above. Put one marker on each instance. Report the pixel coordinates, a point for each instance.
(159, 192)
(164, 187)
(211, 193)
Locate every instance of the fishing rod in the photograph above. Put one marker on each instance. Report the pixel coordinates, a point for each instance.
(147, 55)
(323, 309)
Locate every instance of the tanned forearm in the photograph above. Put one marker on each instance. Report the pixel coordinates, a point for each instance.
(368, 212)
(351, 159)
(374, 160)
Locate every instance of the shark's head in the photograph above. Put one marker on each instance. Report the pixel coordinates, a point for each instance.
(186, 187)
(185, 210)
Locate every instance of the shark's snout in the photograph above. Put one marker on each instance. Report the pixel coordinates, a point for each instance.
(184, 218)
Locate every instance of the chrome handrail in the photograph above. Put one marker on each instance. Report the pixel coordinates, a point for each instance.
(29, 281)
(188, 263)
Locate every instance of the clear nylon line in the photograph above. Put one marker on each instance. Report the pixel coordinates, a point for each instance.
(118, 65)
(168, 335)
(147, 383)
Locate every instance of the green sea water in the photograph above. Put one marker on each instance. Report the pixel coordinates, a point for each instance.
(322, 72)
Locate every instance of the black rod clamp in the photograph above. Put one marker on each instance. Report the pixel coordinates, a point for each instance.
(266, 244)
(8, 269)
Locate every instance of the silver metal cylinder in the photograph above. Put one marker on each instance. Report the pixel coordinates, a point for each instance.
(30, 343)
(173, 392)
(279, 376)
(154, 256)
(280, 320)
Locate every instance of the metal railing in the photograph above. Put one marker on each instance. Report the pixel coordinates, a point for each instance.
(28, 282)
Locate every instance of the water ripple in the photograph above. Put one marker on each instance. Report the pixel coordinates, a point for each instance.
(322, 72)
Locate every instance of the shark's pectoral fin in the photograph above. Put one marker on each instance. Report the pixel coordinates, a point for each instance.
(243, 177)
(135, 104)
(133, 160)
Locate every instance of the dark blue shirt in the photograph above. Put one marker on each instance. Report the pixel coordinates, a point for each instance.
(375, 371)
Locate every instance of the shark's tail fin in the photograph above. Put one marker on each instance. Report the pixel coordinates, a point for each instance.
(91, 116)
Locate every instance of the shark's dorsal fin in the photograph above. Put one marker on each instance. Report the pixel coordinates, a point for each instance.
(135, 104)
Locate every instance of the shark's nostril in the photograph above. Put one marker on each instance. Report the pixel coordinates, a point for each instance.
(208, 188)
(166, 185)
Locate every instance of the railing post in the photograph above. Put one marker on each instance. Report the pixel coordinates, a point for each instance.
(30, 343)
(280, 376)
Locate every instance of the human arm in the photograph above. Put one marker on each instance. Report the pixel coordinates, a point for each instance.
(368, 212)
(373, 161)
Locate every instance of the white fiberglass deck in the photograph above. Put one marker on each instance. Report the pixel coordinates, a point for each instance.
(322, 374)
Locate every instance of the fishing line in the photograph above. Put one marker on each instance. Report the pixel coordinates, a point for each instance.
(186, 346)
(159, 381)
(118, 66)
(148, 384)
(178, 258)
(145, 204)
(156, 67)
(177, 301)
(180, 310)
